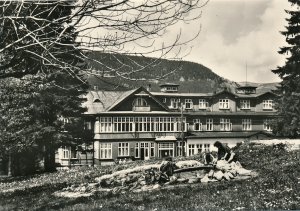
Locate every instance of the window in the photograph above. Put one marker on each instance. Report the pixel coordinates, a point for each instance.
(180, 148)
(173, 88)
(137, 151)
(223, 104)
(123, 124)
(203, 104)
(245, 104)
(209, 125)
(267, 125)
(197, 125)
(66, 152)
(191, 149)
(140, 102)
(188, 104)
(152, 152)
(246, 124)
(199, 148)
(206, 147)
(105, 124)
(123, 149)
(268, 104)
(225, 125)
(87, 125)
(165, 149)
(175, 102)
(105, 150)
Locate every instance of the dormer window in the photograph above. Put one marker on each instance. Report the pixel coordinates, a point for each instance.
(245, 104)
(224, 104)
(188, 104)
(175, 103)
(268, 104)
(169, 87)
(140, 105)
(140, 102)
(203, 104)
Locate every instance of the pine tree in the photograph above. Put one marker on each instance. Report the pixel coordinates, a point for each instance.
(288, 105)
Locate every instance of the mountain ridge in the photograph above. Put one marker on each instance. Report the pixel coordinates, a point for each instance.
(190, 76)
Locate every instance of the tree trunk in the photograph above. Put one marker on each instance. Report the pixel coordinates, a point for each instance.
(9, 165)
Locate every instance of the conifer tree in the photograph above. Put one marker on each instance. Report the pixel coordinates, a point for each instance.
(35, 103)
(288, 105)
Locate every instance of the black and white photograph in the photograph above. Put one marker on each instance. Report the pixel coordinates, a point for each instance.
(149, 105)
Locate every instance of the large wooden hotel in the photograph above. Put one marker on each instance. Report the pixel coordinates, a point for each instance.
(140, 124)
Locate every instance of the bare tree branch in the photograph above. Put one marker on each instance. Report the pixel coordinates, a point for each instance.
(35, 32)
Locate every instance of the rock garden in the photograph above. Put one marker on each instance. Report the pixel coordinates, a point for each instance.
(166, 174)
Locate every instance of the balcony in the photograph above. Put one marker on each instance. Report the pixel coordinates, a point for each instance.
(141, 108)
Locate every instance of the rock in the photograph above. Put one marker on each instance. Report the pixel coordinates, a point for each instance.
(233, 172)
(146, 188)
(93, 185)
(205, 179)
(223, 165)
(218, 175)
(156, 186)
(188, 163)
(143, 182)
(244, 172)
(193, 180)
(211, 173)
(226, 176)
(230, 175)
(168, 183)
(137, 190)
(182, 180)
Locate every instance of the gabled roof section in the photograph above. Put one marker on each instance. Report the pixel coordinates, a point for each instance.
(100, 101)
(269, 92)
(225, 92)
(139, 91)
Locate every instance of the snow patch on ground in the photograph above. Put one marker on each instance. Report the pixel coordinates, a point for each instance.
(69, 194)
(293, 144)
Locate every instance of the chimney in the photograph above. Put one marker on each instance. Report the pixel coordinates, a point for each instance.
(149, 87)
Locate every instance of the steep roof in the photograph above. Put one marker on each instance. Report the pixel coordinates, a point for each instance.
(99, 101)
(104, 101)
(182, 94)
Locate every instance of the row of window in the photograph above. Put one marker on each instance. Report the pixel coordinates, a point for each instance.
(165, 124)
(223, 104)
(144, 149)
(194, 149)
(226, 125)
(139, 124)
(147, 149)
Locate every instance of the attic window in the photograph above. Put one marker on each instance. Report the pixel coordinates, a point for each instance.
(97, 101)
(140, 102)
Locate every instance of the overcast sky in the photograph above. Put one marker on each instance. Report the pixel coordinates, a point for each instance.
(236, 32)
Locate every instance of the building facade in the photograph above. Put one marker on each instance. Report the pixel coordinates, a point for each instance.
(140, 124)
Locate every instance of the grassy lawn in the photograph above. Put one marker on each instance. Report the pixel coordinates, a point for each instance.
(276, 187)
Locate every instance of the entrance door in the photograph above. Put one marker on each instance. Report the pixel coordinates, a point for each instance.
(144, 151)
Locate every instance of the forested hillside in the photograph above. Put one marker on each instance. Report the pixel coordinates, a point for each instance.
(191, 77)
